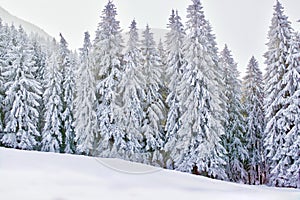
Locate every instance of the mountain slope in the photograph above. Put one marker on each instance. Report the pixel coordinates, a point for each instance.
(31, 28)
(48, 176)
(28, 27)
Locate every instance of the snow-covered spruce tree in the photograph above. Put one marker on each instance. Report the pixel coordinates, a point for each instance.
(153, 105)
(40, 54)
(107, 49)
(131, 95)
(292, 113)
(4, 41)
(279, 35)
(174, 64)
(216, 82)
(85, 101)
(198, 145)
(161, 52)
(253, 97)
(53, 105)
(22, 92)
(218, 101)
(286, 159)
(234, 138)
(68, 88)
(162, 55)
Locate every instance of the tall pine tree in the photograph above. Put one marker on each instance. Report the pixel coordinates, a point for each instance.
(287, 156)
(53, 105)
(107, 49)
(174, 63)
(198, 146)
(66, 65)
(40, 55)
(234, 138)
(4, 41)
(280, 34)
(292, 146)
(131, 95)
(253, 97)
(85, 102)
(161, 52)
(153, 105)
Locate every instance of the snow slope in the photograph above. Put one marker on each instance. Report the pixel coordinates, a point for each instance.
(28, 27)
(48, 176)
(8, 18)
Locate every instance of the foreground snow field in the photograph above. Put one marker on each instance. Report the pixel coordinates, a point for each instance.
(47, 176)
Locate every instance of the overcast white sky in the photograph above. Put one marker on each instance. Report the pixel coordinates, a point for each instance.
(242, 24)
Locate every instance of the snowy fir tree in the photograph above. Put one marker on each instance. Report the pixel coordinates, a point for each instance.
(285, 162)
(40, 54)
(216, 82)
(218, 99)
(22, 94)
(53, 105)
(253, 99)
(161, 52)
(68, 85)
(153, 105)
(131, 95)
(290, 155)
(107, 49)
(4, 41)
(162, 55)
(198, 146)
(291, 113)
(234, 138)
(85, 102)
(277, 125)
(174, 64)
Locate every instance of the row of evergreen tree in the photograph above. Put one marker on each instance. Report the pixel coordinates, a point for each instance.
(180, 105)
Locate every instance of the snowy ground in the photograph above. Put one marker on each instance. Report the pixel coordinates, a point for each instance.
(47, 176)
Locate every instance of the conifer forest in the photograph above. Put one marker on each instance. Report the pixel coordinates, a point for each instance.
(179, 104)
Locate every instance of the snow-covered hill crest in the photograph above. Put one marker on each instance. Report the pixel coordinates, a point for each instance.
(48, 176)
(8, 18)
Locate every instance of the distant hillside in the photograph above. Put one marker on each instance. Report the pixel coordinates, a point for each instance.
(28, 27)
(31, 28)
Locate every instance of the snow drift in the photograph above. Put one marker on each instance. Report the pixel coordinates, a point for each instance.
(48, 176)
